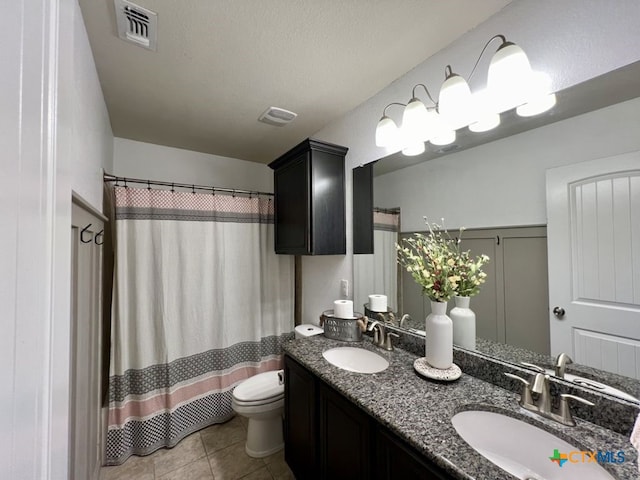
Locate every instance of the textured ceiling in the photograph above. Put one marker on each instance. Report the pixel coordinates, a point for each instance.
(220, 63)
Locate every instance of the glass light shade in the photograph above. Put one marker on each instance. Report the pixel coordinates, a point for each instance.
(486, 123)
(540, 99)
(413, 149)
(415, 120)
(455, 102)
(537, 106)
(509, 77)
(485, 117)
(444, 138)
(387, 134)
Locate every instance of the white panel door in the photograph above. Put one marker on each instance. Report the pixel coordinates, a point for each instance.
(86, 429)
(593, 214)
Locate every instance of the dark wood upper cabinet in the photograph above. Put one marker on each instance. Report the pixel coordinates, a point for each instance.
(363, 209)
(310, 200)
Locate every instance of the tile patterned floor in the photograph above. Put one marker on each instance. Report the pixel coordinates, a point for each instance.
(215, 453)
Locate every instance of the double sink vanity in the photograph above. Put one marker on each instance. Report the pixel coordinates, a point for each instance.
(391, 423)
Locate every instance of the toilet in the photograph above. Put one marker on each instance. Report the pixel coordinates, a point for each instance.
(261, 400)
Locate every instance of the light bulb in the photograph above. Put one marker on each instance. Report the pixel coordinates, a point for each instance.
(387, 134)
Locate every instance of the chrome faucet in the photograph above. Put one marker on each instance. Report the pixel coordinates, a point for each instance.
(381, 338)
(543, 404)
(405, 318)
(562, 361)
(541, 387)
(378, 332)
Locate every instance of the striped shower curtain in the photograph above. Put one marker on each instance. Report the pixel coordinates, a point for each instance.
(200, 302)
(378, 272)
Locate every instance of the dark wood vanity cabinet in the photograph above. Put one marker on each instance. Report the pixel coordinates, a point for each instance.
(396, 460)
(328, 437)
(309, 200)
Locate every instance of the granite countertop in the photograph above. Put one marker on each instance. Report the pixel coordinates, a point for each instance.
(419, 410)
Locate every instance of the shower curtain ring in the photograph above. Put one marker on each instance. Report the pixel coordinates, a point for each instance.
(95, 239)
(125, 183)
(172, 189)
(233, 194)
(213, 191)
(193, 189)
(148, 185)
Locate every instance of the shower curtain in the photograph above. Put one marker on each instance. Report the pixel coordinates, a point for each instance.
(378, 272)
(200, 302)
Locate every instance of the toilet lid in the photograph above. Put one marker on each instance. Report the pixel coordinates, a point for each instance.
(259, 387)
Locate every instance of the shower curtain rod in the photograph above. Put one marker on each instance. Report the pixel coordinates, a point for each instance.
(112, 178)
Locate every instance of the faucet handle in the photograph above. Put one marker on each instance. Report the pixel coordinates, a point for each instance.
(565, 410)
(525, 396)
(533, 367)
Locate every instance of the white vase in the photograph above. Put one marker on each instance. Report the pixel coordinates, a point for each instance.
(439, 337)
(464, 324)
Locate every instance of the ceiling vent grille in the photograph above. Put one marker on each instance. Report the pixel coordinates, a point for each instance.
(277, 116)
(136, 24)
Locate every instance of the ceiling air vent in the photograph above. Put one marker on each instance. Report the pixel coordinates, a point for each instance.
(277, 116)
(136, 24)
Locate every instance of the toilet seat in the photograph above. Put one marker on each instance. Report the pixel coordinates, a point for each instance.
(260, 389)
(258, 403)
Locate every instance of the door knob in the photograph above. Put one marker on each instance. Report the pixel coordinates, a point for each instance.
(558, 312)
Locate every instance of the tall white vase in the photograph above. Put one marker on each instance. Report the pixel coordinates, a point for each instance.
(464, 323)
(439, 333)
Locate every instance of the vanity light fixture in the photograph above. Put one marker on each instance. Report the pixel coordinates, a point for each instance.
(510, 84)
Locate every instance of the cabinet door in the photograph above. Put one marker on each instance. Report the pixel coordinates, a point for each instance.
(292, 221)
(328, 231)
(346, 440)
(300, 433)
(397, 461)
(363, 209)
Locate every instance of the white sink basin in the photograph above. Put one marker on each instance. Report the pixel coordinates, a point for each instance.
(522, 449)
(356, 359)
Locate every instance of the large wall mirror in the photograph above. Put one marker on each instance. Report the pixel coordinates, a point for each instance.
(494, 186)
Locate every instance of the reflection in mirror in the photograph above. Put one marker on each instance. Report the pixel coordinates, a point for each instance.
(513, 306)
(377, 273)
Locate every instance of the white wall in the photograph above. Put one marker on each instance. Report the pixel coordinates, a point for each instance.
(156, 162)
(503, 183)
(54, 137)
(572, 40)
